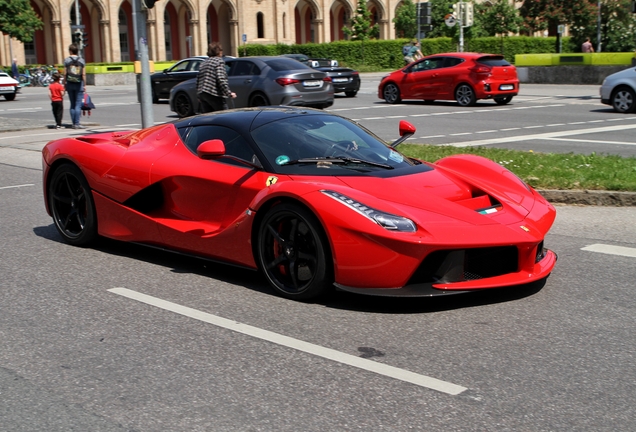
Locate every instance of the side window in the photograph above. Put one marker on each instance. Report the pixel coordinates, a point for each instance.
(235, 144)
(428, 64)
(245, 68)
(195, 65)
(229, 65)
(453, 61)
(180, 67)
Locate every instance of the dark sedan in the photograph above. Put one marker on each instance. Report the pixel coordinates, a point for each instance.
(344, 80)
(162, 82)
(260, 81)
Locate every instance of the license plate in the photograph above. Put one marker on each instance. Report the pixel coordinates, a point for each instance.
(339, 80)
(506, 87)
(312, 83)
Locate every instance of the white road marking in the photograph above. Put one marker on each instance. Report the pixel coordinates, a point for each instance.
(542, 136)
(591, 141)
(16, 186)
(286, 341)
(611, 250)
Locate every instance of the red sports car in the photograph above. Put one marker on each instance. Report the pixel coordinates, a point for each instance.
(309, 198)
(464, 77)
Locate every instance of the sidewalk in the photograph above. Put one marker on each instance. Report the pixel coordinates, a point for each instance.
(12, 124)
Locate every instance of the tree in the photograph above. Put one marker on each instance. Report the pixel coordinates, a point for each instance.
(499, 18)
(618, 26)
(406, 20)
(361, 28)
(19, 20)
(538, 15)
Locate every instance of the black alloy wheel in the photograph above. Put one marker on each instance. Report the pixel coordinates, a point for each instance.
(391, 93)
(258, 99)
(465, 95)
(292, 253)
(503, 100)
(623, 100)
(183, 106)
(72, 206)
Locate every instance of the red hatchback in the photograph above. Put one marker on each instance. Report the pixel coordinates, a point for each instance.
(464, 77)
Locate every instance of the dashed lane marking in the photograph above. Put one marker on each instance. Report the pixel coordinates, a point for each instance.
(286, 341)
(16, 186)
(611, 250)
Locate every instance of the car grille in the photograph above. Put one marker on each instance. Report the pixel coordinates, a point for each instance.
(459, 265)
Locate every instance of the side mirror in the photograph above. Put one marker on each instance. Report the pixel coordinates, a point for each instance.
(211, 149)
(165, 70)
(406, 128)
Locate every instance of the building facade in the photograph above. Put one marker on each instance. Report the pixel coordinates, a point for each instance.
(180, 28)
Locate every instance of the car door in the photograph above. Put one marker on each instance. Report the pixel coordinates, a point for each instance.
(182, 71)
(243, 76)
(206, 200)
(419, 78)
(444, 78)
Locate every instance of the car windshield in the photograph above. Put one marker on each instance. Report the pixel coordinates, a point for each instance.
(325, 145)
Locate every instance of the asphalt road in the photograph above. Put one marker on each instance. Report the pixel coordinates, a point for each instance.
(122, 338)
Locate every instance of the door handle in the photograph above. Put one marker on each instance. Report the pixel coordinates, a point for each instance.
(247, 81)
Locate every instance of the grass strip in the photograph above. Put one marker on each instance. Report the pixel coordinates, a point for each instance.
(565, 171)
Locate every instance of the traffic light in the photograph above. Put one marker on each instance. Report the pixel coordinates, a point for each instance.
(634, 7)
(456, 9)
(424, 13)
(148, 4)
(77, 38)
(84, 40)
(467, 14)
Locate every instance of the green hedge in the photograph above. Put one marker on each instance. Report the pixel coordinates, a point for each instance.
(387, 54)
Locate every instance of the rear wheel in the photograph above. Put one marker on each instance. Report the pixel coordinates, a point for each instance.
(72, 206)
(465, 96)
(258, 99)
(155, 98)
(10, 96)
(623, 100)
(391, 93)
(503, 100)
(352, 93)
(292, 253)
(183, 105)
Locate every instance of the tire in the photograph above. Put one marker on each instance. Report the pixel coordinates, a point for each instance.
(391, 93)
(352, 93)
(503, 100)
(10, 96)
(258, 99)
(292, 253)
(72, 206)
(623, 100)
(465, 95)
(155, 98)
(183, 106)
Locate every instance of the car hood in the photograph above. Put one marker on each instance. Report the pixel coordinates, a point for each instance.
(440, 192)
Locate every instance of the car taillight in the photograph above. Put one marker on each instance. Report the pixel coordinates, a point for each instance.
(286, 81)
(481, 69)
(355, 73)
(328, 79)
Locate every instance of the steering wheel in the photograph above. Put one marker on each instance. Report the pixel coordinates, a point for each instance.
(340, 147)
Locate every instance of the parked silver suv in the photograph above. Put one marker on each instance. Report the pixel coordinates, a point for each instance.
(619, 90)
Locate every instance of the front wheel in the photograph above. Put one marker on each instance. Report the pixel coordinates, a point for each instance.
(183, 105)
(72, 206)
(503, 100)
(10, 96)
(623, 100)
(292, 253)
(391, 93)
(465, 96)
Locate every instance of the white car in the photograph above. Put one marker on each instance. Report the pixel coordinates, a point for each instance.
(619, 90)
(8, 86)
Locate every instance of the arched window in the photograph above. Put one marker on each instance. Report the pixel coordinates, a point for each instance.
(167, 34)
(259, 25)
(124, 49)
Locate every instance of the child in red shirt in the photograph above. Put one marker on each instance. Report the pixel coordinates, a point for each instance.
(57, 99)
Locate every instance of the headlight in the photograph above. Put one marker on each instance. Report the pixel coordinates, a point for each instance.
(385, 220)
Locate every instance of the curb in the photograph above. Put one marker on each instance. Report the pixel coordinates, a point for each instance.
(590, 197)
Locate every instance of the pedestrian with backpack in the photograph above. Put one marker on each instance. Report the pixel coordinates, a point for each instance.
(74, 81)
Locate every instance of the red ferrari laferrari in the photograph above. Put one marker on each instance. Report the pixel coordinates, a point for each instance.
(309, 198)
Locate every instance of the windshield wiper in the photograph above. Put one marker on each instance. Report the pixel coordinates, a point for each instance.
(338, 160)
